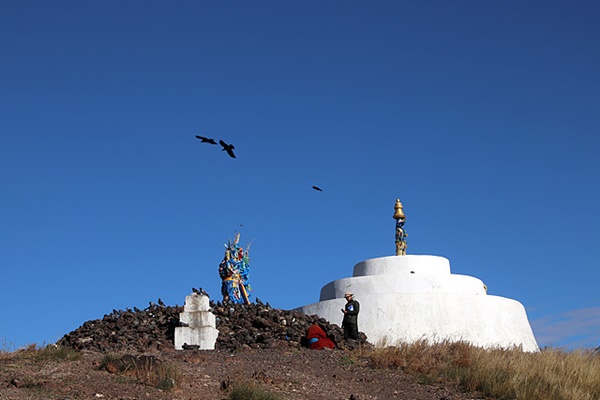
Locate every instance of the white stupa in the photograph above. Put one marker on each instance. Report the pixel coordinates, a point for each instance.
(406, 298)
(199, 324)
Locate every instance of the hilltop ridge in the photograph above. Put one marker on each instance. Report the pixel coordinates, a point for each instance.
(256, 344)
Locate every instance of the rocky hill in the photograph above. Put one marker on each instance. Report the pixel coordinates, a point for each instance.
(256, 326)
(257, 345)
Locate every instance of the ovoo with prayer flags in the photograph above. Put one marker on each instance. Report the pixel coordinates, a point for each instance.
(234, 271)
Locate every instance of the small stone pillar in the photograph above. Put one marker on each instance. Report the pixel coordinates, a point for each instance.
(201, 328)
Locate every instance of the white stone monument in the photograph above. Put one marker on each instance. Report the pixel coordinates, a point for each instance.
(201, 328)
(406, 298)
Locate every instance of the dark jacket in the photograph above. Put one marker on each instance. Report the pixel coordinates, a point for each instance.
(351, 315)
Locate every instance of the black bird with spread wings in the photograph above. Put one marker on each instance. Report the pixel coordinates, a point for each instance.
(206, 140)
(317, 188)
(228, 148)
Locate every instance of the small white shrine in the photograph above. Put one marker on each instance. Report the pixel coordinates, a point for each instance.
(407, 298)
(199, 324)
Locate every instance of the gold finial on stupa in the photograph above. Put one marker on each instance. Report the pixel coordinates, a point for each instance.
(398, 214)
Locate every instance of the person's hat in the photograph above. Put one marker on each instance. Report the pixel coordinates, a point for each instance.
(348, 294)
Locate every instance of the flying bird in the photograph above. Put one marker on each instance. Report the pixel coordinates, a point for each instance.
(317, 188)
(206, 140)
(228, 148)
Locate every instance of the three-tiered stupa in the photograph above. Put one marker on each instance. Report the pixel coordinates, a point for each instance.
(406, 298)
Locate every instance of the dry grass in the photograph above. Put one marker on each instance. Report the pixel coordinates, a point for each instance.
(164, 376)
(146, 369)
(48, 360)
(251, 391)
(551, 374)
(50, 352)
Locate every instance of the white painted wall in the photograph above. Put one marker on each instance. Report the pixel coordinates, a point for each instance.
(393, 265)
(202, 329)
(413, 297)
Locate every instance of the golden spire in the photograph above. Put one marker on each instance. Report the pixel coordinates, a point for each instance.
(398, 214)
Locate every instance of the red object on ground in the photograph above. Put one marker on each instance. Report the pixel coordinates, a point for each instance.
(315, 332)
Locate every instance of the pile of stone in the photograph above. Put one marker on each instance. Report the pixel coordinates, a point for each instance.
(240, 326)
(127, 330)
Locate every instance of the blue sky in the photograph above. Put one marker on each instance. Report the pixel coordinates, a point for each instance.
(482, 117)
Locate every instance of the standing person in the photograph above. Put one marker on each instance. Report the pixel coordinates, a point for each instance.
(350, 321)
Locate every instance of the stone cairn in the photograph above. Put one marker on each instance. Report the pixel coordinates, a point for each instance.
(241, 326)
(197, 325)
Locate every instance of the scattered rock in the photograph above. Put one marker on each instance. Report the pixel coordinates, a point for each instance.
(17, 382)
(112, 367)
